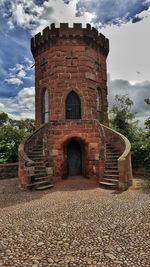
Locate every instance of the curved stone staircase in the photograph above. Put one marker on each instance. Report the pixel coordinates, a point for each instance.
(111, 175)
(33, 162)
(36, 168)
(39, 180)
(118, 169)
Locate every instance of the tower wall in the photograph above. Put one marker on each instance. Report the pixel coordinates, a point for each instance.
(70, 59)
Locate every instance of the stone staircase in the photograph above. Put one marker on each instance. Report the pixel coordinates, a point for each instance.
(40, 179)
(35, 169)
(111, 177)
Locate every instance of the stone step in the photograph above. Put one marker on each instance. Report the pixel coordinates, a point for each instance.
(36, 179)
(112, 162)
(37, 149)
(39, 164)
(37, 167)
(114, 176)
(109, 145)
(36, 153)
(41, 174)
(111, 157)
(112, 154)
(111, 171)
(38, 160)
(42, 170)
(111, 167)
(39, 183)
(36, 156)
(44, 187)
(111, 149)
(108, 185)
(115, 181)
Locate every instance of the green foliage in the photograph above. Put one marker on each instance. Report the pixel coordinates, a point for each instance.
(121, 116)
(3, 118)
(12, 133)
(141, 149)
(123, 120)
(147, 124)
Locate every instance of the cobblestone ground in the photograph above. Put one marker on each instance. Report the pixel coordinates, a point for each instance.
(76, 224)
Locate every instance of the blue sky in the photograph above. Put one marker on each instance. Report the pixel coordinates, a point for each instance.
(124, 22)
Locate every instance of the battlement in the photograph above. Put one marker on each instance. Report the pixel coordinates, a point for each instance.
(50, 34)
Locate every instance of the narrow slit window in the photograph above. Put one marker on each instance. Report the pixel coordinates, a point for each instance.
(45, 112)
(99, 104)
(73, 106)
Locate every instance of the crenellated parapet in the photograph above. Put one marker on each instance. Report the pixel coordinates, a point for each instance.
(50, 35)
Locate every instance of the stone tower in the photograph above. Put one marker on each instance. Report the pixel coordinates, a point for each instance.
(70, 59)
(71, 107)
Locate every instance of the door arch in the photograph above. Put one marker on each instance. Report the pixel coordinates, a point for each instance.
(74, 158)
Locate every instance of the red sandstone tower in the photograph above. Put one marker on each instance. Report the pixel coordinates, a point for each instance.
(71, 111)
(70, 62)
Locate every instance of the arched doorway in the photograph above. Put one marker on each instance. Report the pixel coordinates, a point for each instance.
(74, 158)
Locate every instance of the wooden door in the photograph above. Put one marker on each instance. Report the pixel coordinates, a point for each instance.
(74, 159)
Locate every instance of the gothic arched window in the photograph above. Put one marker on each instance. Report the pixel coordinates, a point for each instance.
(73, 106)
(99, 104)
(45, 106)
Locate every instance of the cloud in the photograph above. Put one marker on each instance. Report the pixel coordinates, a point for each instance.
(21, 12)
(21, 106)
(36, 15)
(1, 106)
(13, 80)
(107, 12)
(136, 19)
(67, 1)
(18, 73)
(129, 46)
(137, 92)
(26, 14)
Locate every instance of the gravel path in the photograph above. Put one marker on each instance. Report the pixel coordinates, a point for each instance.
(76, 224)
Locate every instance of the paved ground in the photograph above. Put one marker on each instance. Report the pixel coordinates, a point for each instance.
(76, 224)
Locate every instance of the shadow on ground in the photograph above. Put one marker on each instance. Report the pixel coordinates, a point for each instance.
(11, 195)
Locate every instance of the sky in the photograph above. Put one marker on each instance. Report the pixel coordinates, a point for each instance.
(125, 22)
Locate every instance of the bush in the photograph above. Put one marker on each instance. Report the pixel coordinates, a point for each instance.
(12, 133)
(123, 120)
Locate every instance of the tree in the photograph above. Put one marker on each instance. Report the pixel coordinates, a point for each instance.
(3, 118)
(147, 124)
(12, 133)
(121, 117)
(123, 120)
